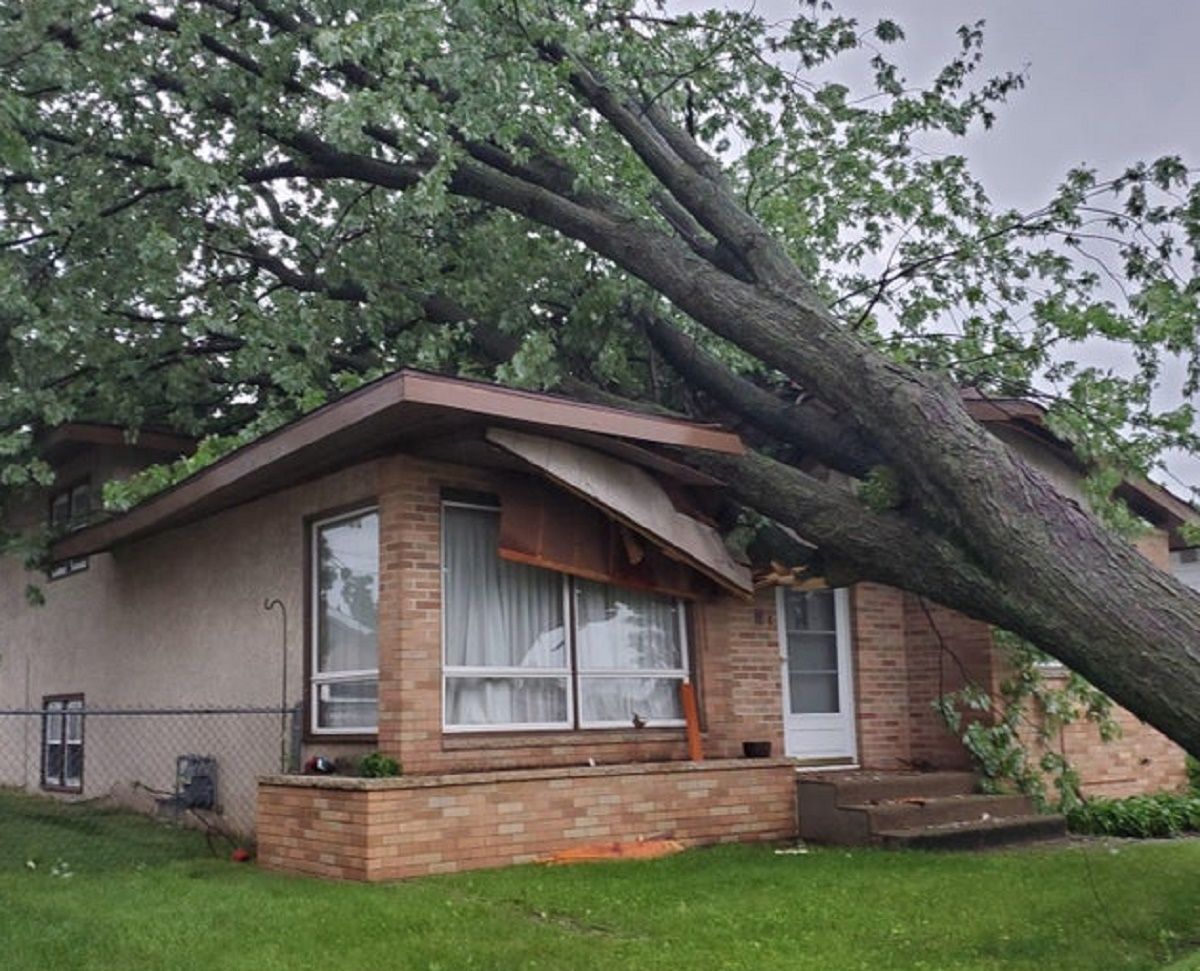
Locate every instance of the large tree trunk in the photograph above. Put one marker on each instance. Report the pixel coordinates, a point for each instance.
(976, 528)
(1055, 575)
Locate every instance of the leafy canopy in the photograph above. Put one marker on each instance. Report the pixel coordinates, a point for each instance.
(172, 253)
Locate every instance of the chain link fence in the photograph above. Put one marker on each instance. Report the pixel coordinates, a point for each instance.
(134, 783)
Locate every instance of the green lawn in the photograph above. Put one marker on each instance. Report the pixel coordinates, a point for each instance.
(143, 896)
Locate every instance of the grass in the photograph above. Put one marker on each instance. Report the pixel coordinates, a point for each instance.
(143, 896)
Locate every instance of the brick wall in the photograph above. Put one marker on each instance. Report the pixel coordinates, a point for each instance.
(946, 651)
(740, 673)
(734, 648)
(386, 829)
(881, 676)
(1142, 760)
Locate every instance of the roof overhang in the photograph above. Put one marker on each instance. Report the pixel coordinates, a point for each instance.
(73, 436)
(387, 415)
(1148, 499)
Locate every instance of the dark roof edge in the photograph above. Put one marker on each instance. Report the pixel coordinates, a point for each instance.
(405, 386)
(1021, 411)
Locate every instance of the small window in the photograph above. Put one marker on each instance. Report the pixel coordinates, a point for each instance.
(69, 510)
(345, 655)
(62, 743)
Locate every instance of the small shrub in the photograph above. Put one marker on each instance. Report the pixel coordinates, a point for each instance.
(1193, 774)
(1143, 817)
(376, 765)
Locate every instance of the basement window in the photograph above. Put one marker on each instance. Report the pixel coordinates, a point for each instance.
(62, 743)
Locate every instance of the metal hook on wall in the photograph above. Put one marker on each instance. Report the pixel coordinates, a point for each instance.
(271, 604)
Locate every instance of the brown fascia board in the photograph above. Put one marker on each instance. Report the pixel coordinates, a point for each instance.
(481, 398)
(1147, 497)
(361, 423)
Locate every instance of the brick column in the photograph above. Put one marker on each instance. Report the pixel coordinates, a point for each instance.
(881, 675)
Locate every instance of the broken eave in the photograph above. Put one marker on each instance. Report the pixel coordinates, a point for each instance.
(395, 413)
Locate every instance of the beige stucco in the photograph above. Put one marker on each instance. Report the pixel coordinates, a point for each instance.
(1064, 476)
(176, 620)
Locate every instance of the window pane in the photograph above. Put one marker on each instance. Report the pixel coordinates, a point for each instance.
(814, 693)
(348, 704)
(74, 722)
(348, 590)
(812, 652)
(81, 501)
(810, 610)
(73, 771)
(54, 766)
(617, 700)
(506, 701)
(60, 509)
(621, 629)
(54, 722)
(497, 613)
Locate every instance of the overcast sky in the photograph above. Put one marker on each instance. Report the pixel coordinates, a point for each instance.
(1109, 82)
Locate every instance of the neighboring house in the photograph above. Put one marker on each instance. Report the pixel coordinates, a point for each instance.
(505, 591)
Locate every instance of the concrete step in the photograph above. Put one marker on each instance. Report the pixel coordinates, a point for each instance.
(859, 788)
(918, 811)
(977, 835)
(833, 806)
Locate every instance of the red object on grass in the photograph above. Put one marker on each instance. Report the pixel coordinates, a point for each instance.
(240, 855)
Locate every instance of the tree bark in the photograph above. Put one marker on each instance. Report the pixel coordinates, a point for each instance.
(978, 529)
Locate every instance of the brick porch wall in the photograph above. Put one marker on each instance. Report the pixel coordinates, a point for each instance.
(387, 829)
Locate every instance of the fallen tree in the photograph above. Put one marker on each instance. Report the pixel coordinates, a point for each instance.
(218, 214)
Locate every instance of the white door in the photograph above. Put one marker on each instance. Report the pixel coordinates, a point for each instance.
(818, 685)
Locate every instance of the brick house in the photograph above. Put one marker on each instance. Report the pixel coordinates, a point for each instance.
(504, 591)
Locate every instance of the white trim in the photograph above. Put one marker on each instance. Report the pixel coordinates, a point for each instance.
(317, 677)
(832, 767)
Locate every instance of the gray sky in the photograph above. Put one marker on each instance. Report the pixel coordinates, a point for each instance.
(1109, 82)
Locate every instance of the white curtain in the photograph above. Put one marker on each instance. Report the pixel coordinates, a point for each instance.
(627, 632)
(624, 630)
(504, 616)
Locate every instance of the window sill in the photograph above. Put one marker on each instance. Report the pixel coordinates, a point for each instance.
(62, 790)
(338, 738)
(464, 741)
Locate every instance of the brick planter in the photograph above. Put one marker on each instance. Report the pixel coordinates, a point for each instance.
(386, 829)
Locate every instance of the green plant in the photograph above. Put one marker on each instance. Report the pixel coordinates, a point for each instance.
(376, 765)
(1193, 774)
(1162, 815)
(1011, 732)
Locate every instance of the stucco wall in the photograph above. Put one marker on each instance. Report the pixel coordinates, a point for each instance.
(174, 620)
(1188, 572)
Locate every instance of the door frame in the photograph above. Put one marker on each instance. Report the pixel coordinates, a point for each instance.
(848, 711)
